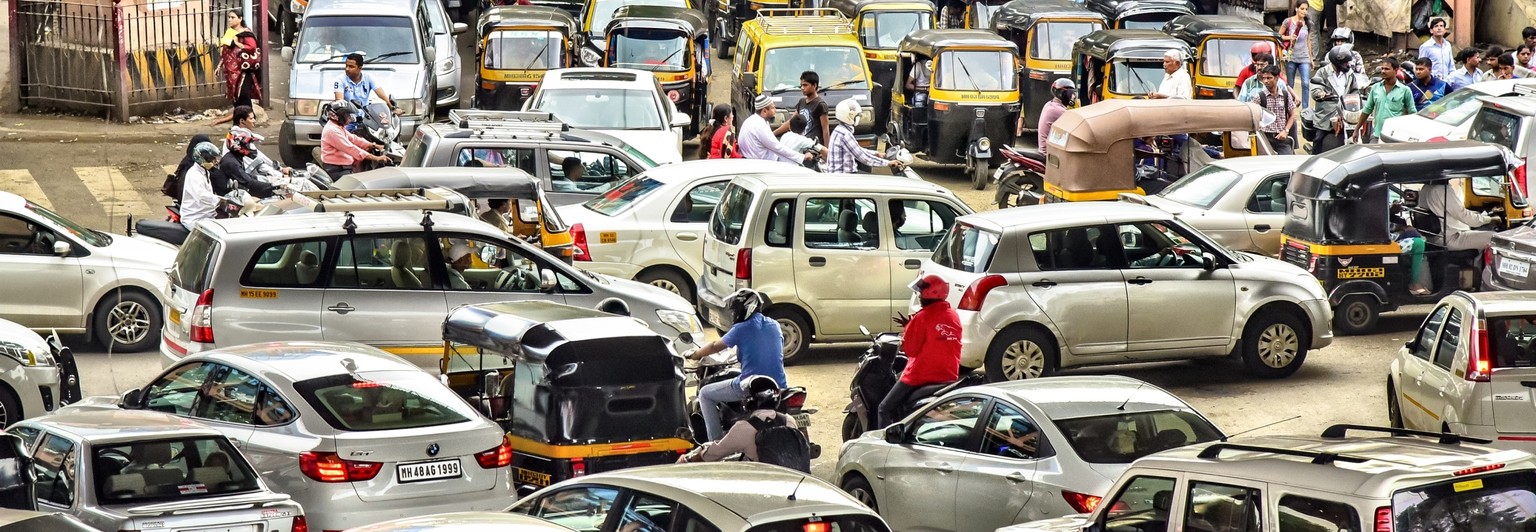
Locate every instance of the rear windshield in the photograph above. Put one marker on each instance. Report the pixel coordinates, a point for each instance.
(841, 523)
(191, 269)
(618, 198)
(384, 400)
(1510, 339)
(1122, 438)
(1495, 127)
(170, 470)
(1500, 501)
(1226, 57)
(967, 248)
(730, 215)
(884, 30)
(1201, 189)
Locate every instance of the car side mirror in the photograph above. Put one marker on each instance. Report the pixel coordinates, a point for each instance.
(286, 53)
(1208, 261)
(864, 330)
(62, 248)
(680, 119)
(130, 399)
(431, 54)
(749, 80)
(460, 27)
(547, 281)
(895, 434)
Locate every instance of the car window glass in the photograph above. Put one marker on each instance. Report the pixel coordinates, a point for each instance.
(167, 470)
(691, 522)
(1158, 245)
(841, 223)
(1122, 438)
(695, 206)
(920, 224)
(28, 435)
(949, 424)
(1491, 501)
(385, 262)
(489, 157)
(646, 513)
(966, 248)
(1306, 514)
(272, 409)
(383, 400)
(1078, 248)
(1450, 339)
(1495, 127)
(486, 266)
(289, 264)
(1142, 505)
(1010, 434)
(584, 508)
(585, 171)
(1221, 508)
(230, 397)
(1512, 341)
(781, 219)
(1424, 343)
(1269, 196)
(54, 463)
(18, 236)
(176, 392)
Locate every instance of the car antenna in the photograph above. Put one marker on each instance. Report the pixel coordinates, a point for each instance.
(1127, 400)
(797, 488)
(1292, 418)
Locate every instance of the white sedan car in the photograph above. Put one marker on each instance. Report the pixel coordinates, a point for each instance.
(650, 228)
(1450, 117)
(985, 457)
(623, 102)
(1238, 202)
(37, 376)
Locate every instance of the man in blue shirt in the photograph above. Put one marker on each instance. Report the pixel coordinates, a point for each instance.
(1467, 73)
(1426, 87)
(759, 347)
(1437, 49)
(354, 86)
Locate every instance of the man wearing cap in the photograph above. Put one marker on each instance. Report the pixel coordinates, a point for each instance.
(1175, 85)
(756, 140)
(459, 259)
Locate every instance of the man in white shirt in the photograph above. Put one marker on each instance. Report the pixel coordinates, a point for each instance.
(1458, 225)
(1175, 83)
(756, 140)
(198, 202)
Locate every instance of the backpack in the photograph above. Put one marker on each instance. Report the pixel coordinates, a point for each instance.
(780, 444)
(172, 186)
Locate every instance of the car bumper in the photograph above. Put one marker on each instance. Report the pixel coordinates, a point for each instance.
(1517, 441)
(39, 390)
(975, 338)
(711, 305)
(337, 506)
(1321, 314)
(447, 89)
(173, 350)
(306, 132)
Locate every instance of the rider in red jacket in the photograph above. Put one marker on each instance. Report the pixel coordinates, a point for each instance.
(932, 343)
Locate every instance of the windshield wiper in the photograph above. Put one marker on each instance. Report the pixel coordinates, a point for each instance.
(968, 77)
(329, 59)
(387, 56)
(839, 85)
(536, 58)
(668, 60)
(1137, 75)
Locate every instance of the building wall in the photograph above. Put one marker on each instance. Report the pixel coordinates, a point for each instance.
(1500, 21)
(9, 100)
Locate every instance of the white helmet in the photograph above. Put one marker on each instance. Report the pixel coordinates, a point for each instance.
(848, 112)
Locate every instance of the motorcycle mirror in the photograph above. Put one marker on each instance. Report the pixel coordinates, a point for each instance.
(894, 434)
(864, 330)
(61, 248)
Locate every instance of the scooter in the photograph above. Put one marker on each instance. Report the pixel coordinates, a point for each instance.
(878, 370)
(1021, 180)
(380, 126)
(723, 366)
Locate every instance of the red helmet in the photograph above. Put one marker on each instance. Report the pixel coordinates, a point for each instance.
(1260, 48)
(930, 286)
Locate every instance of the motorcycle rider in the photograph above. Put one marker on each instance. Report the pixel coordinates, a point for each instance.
(843, 150)
(1330, 85)
(762, 400)
(759, 347)
(241, 144)
(1065, 92)
(1342, 36)
(931, 340)
(341, 149)
(198, 201)
(355, 86)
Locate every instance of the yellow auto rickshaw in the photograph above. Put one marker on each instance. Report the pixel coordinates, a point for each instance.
(972, 98)
(1092, 153)
(1110, 64)
(882, 24)
(1140, 14)
(579, 391)
(672, 43)
(1045, 31)
(591, 42)
(1222, 44)
(517, 45)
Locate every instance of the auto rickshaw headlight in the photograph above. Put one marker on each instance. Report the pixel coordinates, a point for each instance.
(984, 144)
(867, 116)
(674, 96)
(590, 57)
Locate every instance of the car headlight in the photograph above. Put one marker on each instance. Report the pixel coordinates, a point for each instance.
(867, 116)
(684, 322)
(984, 144)
(591, 57)
(412, 106)
(298, 107)
(447, 64)
(26, 357)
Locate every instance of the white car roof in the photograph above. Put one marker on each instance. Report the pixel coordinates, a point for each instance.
(115, 424)
(301, 361)
(604, 78)
(1085, 396)
(839, 183)
(11, 201)
(1064, 214)
(1262, 163)
(705, 168)
(747, 491)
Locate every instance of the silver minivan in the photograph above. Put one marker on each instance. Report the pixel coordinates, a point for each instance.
(382, 278)
(831, 253)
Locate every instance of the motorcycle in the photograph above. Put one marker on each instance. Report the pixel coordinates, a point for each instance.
(1020, 180)
(723, 366)
(379, 125)
(879, 368)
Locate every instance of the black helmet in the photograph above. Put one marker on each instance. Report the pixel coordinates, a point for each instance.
(1341, 55)
(743, 304)
(761, 391)
(333, 110)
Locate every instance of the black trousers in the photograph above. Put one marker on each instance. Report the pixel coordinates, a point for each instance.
(893, 402)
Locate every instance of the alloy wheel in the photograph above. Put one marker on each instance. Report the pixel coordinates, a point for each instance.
(1278, 345)
(128, 322)
(863, 496)
(667, 285)
(1023, 359)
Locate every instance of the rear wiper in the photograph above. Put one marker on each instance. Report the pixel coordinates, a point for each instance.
(387, 56)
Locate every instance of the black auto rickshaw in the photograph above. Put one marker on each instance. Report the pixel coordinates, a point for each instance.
(972, 98)
(1045, 31)
(1339, 204)
(1222, 45)
(517, 45)
(672, 43)
(882, 24)
(578, 390)
(1140, 14)
(1112, 64)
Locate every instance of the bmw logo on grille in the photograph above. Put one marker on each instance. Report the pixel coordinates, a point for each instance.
(432, 450)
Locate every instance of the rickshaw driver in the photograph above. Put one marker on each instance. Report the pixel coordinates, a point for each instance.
(759, 344)
(1175, 85)
(1461, 229)
(917, 82)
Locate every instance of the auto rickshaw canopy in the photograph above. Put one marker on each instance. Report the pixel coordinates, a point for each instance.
(1091, 148)
(544, 331)
(1024, 14)
(1193, 28)
(1109, 44)
(1119, 9)
(852, 8)
(526, 16)
(687, 20)
(929, 43)
(1346, 172)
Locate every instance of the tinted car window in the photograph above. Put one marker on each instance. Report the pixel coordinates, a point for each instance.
(190, 271)
(1220, 507)
(1010, 434)
(967, 248)
(1495, 127)
(949, 424)
(1122, 438)
(176, 392)
(288, 264)
(621, 197)
(54, 463)
(383, 400)
(1142, 505)
(1512, 341)
(730, 215)
(584, 508)
(1306, 514)
(699, 203)
(164, 470)
(1504, 501)
(1424, 343)
(781, 223)
(230, 398)
(1450, 339)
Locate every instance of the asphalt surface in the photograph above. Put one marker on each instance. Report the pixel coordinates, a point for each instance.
(1342, 383)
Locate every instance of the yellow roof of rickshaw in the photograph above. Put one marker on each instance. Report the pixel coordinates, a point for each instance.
(1094, 128)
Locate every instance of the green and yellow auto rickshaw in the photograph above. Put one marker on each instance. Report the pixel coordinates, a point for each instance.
(517, 45)
(1111, 64)
(972, 98)
(1045, 31)
(1140, 14)
(672, 43)
(1222, 45)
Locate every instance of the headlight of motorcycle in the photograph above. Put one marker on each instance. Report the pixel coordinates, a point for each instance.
(591, 57)
(684, 322)
(303, 107)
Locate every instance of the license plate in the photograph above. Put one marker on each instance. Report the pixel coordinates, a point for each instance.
(1513, 268)
(419, 471)
(175, 316)
(714, 318)
(242, 528)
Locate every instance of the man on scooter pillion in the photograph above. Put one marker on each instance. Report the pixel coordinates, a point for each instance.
(932, 343)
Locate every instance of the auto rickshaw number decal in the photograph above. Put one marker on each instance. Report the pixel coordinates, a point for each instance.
(532, 477)
(247, 293)
(1358, 272)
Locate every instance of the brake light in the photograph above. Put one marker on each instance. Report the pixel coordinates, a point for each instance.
(498, 456)
(328, 467)
(744, 264)
(1478, 364)
(1520, 176)
(579, 235)
(976, 293)
(1384, 519)
(300, 524)
(794, 400)
(578, 467)
(1438, 139)
(202, 318)
(1081, 502)
(1488, 256)
(817, 526)
(1478, 469)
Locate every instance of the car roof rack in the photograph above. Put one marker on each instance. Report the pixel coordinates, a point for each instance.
(1525, 89)
(382, 199)
(1214, 451)
(479, 119)
(807, 21)
(1447, 438)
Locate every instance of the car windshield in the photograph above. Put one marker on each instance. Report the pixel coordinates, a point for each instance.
(967, 248)
(1053, 40)
(589, 108)
(839, 66)
(1499, 501)
(884, 30)
(1495, 127)
(981, 70)
(90, 236)
(524, 50)
(382, 40)
(1122, 438)
(1454, 108)
(1135, 77)
(1226, 57)
(384, 400)
(1203, 188)
(623, 196)
(178, 469)
(649, 49)
(602, 12)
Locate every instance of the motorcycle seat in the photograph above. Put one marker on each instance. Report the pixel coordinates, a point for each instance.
(1035, 155)
(172, 232)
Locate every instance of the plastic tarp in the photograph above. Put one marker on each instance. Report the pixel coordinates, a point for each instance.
(1381, 17)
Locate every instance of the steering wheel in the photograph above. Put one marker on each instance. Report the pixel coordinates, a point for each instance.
(505, 280)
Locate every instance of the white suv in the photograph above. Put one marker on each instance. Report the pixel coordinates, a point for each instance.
(1078, 284)
(623, 102)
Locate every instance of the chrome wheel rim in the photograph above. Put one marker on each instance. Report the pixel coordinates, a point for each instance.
(5, 415)
(791, 331)
(1023, 359)
(128, 322)
(666, 285)
(1278, 345)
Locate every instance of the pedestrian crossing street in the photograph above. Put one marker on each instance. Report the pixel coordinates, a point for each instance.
(114, 192)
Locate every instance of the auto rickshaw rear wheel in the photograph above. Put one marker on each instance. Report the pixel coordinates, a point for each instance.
(1356, 315)
(980, 171)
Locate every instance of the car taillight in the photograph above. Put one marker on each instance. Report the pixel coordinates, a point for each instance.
(816, 526)
(744, 264)
(1384, 519)
(1478, 469)
(794, 400)
(499, 456)
(578, 467)
(1438, 139)
(1520, 176)
(976, 293)
(1478, 364)
(202, 318)
(1488, 256)
(328, 467)
(579, 234)
(300, 525)
(1081, 502)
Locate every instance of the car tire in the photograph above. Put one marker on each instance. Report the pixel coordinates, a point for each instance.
(852, 427)
(668, 280)
(287, 28)
(1394, 409)
(797, 333)
(1273, 345)
(287, 148)
(1356, 315)
(126, 320)
(10, 407)
(1020, 353)
(723, 48)
(858, 487)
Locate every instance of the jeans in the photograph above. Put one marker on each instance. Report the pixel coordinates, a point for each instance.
(710, 398)
(893, 401)
(336, 170)
(1300, 73)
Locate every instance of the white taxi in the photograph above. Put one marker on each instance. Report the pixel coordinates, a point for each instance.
(623, 102)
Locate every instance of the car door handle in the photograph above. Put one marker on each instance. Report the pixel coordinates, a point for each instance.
(1262, 228)
(1043, 283)
(340, 308)
(944, 467)
(818, 261)
(1016, 477)
(687, 237)
(1419, 380)
(913, 264)
(1140, 280)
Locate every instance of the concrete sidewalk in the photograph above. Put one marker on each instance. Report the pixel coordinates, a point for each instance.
(52, 127)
